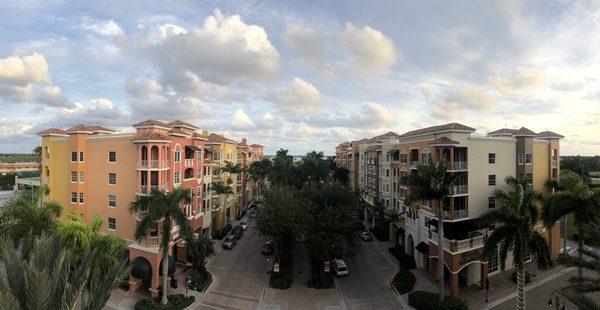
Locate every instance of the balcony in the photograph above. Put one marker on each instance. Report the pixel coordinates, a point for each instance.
(153, 164)
(152, 241)
(460, 190)
(409, 222)
(414, 164)
(456, 214)
(460, 166)
(146, 189)
(189, 162)
(475, 242)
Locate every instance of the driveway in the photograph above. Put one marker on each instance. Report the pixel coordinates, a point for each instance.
(239, 275)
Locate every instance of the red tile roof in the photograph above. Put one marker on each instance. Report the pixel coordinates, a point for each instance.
(549, 134)
(524, 132)
(180, 123)
(52, 131)
(151, 135)
(256, 145)
(78, 127)
(502, 132)
(150, 122)
(387, 134)
(177, 131)
(434, 129)
(213, 137)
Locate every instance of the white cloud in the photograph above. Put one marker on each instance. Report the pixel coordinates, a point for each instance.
(105, 28)
(19, 73)
(224, 50)
(100, 111)
(297, 96)
(372, 115)
(371, 51)
(452, 105)
(516, 80)
(311, 47)
(52, 96)
(241, 121)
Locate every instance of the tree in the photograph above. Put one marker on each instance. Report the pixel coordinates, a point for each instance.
(576, 198)
(231, 168)
(223, 190)
(433, 182)
(201, 249)
(163, 207)
(579, 286)
(22, 220)
(106, 268)
(515, 218)
(259, 171)
(313, 168)
(37, 150)
(283, 172)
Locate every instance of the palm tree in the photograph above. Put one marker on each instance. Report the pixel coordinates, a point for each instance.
(23, 219)
(433, 182)
(231, 168)
(223, 190)
(201, 249)
(258, 171)
(81, 238)
(575, 197)
(579, 286)
(515, 218)
(165, 207)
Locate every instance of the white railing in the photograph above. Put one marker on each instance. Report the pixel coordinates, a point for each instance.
(153, 240)
(460, 165)
(456, 214)
(153, 164)
(461, 189)
(189, 162)
(460, 245)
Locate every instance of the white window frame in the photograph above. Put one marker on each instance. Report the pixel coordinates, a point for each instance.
(81, 177)
(73, 174)
(81, 157)
(113, 200)
(495, 181)
(76, 157)
(74, 195)
(114, 224)
(528, 159)
(114, 161)
(492, 158)
(520, 158)
(81, 198)
(177, 156)
(176, 177)
(115, 178)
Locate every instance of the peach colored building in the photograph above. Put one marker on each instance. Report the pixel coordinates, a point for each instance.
(93, 171)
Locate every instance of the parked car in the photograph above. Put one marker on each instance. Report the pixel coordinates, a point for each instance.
(229, 242)
(267, 248)
(366, 236)
(244, 224)
(237, 231)
(253, 213)
(339, 267)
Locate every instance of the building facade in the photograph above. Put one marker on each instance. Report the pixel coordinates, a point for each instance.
(95, 172)
(482, 162)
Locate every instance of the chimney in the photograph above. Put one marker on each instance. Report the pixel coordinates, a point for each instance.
(205, 133)
(244, 141)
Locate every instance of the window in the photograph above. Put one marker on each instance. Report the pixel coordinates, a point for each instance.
(403, 158)
(555, 154)
(491, 158)
(426, 222)
(529, 178)
(520, 158)
(528, 159)
(81, 156)
(80, 197)
(491, 202)
(493, 263)
(426, 157)
(112, 179)
(112, 223)
(387, 173)
(492, 180)
(73, 197)
(112, 201)
(387, 158)
(73, 157)
(112, 157)
(73, 176)
(176, 178)
(177, 156)
(80, 176)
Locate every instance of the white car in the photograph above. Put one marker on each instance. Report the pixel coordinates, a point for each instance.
(244, 224)
(339, 267)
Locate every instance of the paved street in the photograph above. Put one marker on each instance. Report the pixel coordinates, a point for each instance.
(239, 275)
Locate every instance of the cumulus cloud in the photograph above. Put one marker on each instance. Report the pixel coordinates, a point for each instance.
(241, 121)
(224, 50)
(371, 51)
(311, 48)
(106, 28)
(372, 115)
(298, 96)
(19, 73)
(517, 80)
(52, 96)
(452, 105)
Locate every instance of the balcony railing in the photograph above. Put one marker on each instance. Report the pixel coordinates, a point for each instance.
(456, 214)
(475, 242)
(146, 189)
(152, 241)
(414, 164)
(460, 165)
(153, 164)
(189, 162)
(460, 189)
(554, 163)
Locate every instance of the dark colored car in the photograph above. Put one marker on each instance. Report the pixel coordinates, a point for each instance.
(229, 242)
(366, 236)
(267, 248)
(237, 231)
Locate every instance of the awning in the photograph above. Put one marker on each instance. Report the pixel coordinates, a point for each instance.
(192, 148)
(423, 248)
(457, 230)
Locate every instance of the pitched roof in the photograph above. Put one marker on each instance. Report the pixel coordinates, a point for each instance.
(78, 127)
(385, 135)
(180, 123)
(98, 128)
(443, 141)
(524, 132)
(256, 146)
(549, 134)
(434, 129)
(52, 132)
(151, 135)
(178, 132)
(213, 137)
(150, 122)
(502, 132)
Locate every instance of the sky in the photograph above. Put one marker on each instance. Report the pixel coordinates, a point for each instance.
(301, 75)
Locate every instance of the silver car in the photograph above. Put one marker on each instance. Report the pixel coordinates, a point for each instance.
(244, 224)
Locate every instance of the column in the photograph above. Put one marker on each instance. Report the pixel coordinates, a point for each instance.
(484, 275)
(454, 284)
(432, 272)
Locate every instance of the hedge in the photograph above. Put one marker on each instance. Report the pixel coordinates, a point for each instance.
(422, 300)
(404, 281)
(200, 283)
(176, 302)
(404, 260)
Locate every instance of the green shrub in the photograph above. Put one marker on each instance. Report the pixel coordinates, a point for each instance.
(404, 260)
(527, 277)
(422, 300)
(404, 281)
(176, 302)
(282, 279)
(201, 282)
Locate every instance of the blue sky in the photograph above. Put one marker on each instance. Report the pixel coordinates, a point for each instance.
(301, 75)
